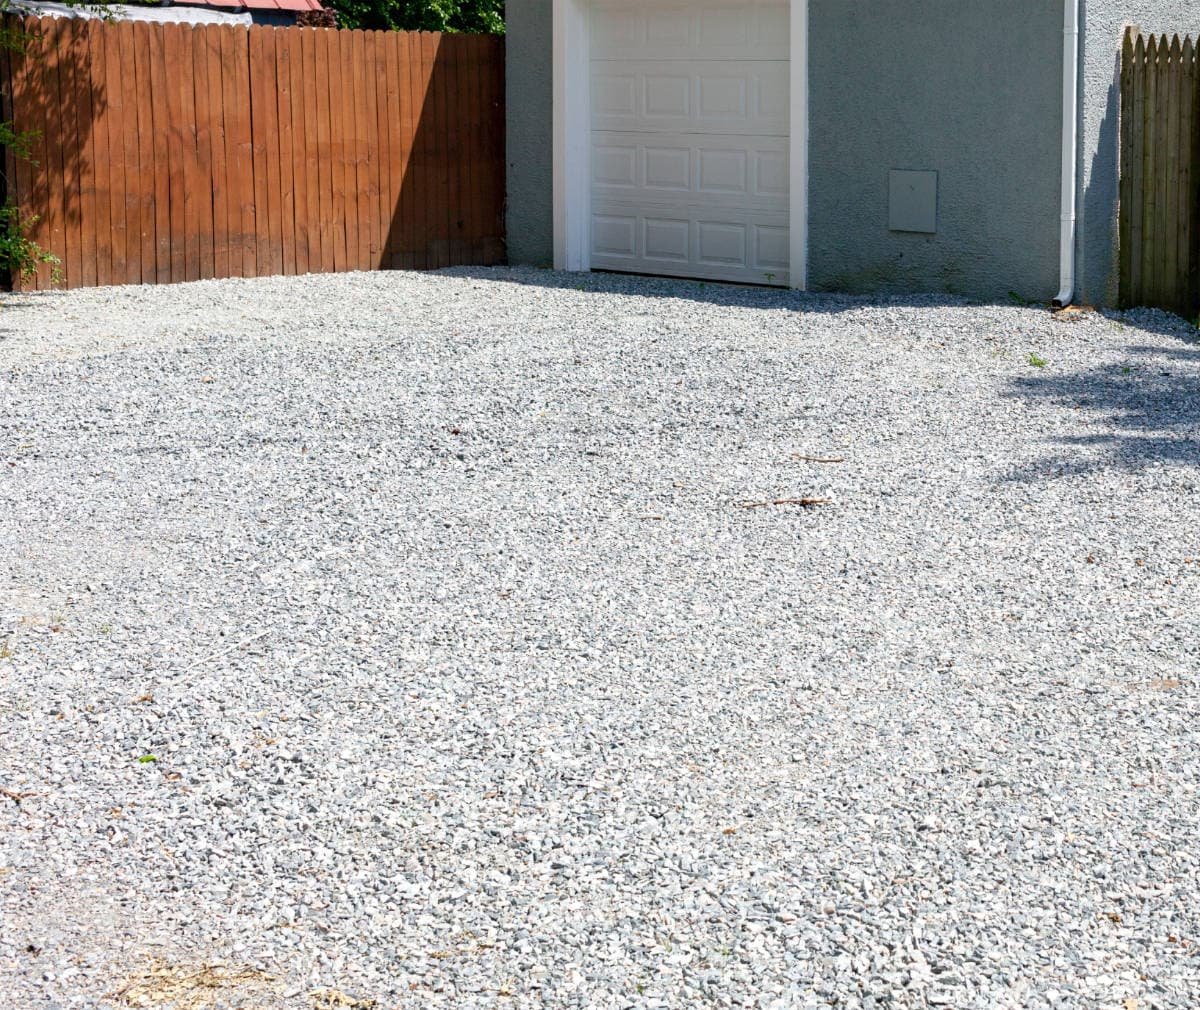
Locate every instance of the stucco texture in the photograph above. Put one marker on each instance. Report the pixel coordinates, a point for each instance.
(971, 91)
(1105, 22)
(529, 102)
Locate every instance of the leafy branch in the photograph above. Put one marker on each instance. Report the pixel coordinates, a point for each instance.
(20, 255)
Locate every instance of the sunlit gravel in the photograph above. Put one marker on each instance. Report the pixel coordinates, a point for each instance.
(435, 639)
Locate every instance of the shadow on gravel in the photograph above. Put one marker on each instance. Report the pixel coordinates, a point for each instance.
(717, 293)
(1146, 409)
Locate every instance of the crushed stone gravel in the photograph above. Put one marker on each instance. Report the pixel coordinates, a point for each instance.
(400, 636)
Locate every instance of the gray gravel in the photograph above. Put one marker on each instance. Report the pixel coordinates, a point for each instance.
(469, 683)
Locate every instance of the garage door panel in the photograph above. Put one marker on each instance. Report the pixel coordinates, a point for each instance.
(734, 171)
(691, 241)
(685, 29)
(615, 165)
(772, 249)
(665, 31)
(723, 171)
(769, 174)
(774, 96)
(615, 96)
(666, 240)
(722, 95)
(667, 168)
(702, 96)
(665, 95)
(721, 243)
(614, 235)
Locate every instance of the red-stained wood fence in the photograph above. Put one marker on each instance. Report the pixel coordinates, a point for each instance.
(173, 152)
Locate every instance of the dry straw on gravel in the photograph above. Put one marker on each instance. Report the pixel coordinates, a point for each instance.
(194, 986)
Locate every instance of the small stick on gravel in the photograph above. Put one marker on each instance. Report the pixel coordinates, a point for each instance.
(818, 459)
(805, 502)
(15, 796)
(232, 648)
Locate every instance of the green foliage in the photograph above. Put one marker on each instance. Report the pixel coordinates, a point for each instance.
(19, 254)
(1037, 361)
(483, 16)
(20, 144)
(13, 38)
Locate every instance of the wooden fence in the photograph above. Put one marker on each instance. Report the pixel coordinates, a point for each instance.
(172, 152)
(1160, 174)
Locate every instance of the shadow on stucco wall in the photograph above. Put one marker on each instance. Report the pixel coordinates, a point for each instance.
(1097, 247)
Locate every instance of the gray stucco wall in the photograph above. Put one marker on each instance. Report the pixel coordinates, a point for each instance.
(529, 92)
(1100, 134)
(971, 90)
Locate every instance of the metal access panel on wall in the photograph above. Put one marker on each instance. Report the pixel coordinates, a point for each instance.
(912, 201)
(690, 114)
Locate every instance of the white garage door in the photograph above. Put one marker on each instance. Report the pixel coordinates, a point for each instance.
(689, 135)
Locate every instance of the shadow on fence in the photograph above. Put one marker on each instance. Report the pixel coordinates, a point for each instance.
(49, 60)
(450, 207)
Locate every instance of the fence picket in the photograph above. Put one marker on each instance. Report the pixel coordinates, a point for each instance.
(1126, 181)
(206, 110)
(1191, 177)
(412, 222)
(260, 129)
(364, 194)
(383, 150)
(1188, 125)
(147, 195)
(287, 193)
(50, 165)
(291, 41)
(1169, 116)
(160, 124)
(249, 210)
(313, 175)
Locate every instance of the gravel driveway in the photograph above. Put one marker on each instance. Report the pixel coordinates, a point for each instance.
(403, 637)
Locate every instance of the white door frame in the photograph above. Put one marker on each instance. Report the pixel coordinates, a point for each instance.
(572, 139)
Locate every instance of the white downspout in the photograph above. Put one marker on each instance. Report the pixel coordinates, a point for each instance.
(798, 197)
(1070, 152)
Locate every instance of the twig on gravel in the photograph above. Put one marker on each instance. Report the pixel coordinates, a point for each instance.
(232, 648)
(818, 459)
(805, 502)
(15, 796)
